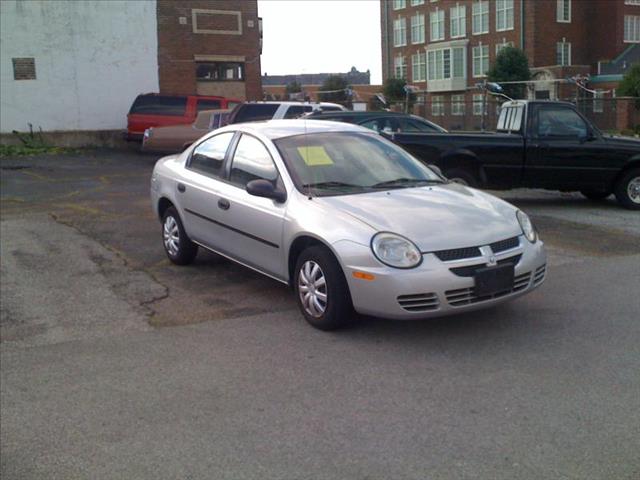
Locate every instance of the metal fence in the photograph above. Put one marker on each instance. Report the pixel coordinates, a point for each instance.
(608, 114)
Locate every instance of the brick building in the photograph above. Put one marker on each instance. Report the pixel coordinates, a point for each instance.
(445, 47)
(210, 47)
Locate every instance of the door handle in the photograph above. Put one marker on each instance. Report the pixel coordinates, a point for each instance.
(181, 188)
(224, 204)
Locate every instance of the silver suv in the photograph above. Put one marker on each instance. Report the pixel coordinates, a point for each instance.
(348, 219)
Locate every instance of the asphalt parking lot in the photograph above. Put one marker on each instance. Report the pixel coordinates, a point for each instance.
(117, 364)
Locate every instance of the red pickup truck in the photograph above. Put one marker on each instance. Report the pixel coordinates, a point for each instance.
(153, 110)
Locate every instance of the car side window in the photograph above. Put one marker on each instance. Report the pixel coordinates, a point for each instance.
(208, 157)
(294, 111)
(207, 105)
(252, 161)
(560, 122)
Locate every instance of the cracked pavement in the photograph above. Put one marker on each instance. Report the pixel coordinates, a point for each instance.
(116, 364)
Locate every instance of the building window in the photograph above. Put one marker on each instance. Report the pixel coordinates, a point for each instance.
(437, 25)
(598, 103)
(457, 105)
(439, 63)
(399, 32)
(478, 102)
(480, 17)
(416, 2)
(458, 21)
(398, 4)
(419, 67)
(500, 46)
(400, 67)
(631, 29)
(24, 68)
(564, 11)
(480, 60)
(219, 71)
(563, 53)
(504, 15)
(437, 106)
(632, 2)
(417, 29)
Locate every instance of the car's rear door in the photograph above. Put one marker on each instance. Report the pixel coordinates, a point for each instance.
(198, 191)
(252, 226)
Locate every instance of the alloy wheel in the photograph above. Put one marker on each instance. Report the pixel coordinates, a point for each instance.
(633, 190)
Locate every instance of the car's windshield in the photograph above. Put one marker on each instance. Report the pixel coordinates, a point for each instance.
(341, 163)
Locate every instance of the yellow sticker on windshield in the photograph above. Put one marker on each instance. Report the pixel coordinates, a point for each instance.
(315, 156)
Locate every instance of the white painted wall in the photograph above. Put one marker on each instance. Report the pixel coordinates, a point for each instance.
(92, 59)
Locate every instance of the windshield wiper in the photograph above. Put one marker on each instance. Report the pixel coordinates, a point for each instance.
(400, 182)
(331, 184)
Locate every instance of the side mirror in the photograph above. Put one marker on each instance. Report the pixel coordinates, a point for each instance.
(264, 188)
(587, 137)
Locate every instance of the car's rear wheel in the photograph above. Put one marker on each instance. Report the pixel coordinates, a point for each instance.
(595, 194)
(627, 189)
(321, 290)
(462, 176)
(178, 246)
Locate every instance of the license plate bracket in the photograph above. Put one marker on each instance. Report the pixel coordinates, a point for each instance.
(492, 280)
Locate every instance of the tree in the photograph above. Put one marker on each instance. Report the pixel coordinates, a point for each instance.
(336, 86)
(511, 66)
(293, 87)
(630, 84)
(394, 91)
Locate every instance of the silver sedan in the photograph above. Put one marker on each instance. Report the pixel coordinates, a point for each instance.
(347, 219)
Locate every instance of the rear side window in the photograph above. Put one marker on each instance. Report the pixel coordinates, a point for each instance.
(208, 157)
(510, 119)
(159, 105)
(252, 161)
(294, 111)
(208, 105)
(411, 125)
(257, 111)
(330, 108)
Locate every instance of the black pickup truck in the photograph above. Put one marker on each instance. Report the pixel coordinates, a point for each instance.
(537, 144)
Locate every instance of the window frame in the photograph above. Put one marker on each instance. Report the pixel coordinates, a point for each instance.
(507, 6)
(460, 20)
(399, 4)
(403, 67)
(458, 101)
(416, 28)
(400, 34)
(560, 11)
(541, 108)
(422, 67)
(481, 58)
(440, 18)
(563, 53)
(220, 66)
(632, 27)
(480, 9)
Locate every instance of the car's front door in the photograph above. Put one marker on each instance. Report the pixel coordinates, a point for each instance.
(563, 152)
(198, 189)
(253, 225)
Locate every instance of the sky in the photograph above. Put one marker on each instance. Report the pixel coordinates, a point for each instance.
(317, 36)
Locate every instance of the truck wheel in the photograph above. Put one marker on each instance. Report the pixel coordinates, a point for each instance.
(462, 176)
(321, 290)
(627, 189)
(595, 194)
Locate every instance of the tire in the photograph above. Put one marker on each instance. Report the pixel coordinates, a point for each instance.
(595, 194)
(177, 245)
(462, 176)
(336, 310)
(627, 189)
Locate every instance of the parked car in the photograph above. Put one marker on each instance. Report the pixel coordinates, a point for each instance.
(387, 122)
(256, 111)
(176, 138)
(153, 110)
(538, 144)
(347, 219)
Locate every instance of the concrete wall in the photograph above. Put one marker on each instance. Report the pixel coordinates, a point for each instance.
(91, 58)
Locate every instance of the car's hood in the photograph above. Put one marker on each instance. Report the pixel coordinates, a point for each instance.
(629, 143)
(434, 218)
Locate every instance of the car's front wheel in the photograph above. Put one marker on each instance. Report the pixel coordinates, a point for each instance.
(321, 290)
(178, 246)
(627, 189)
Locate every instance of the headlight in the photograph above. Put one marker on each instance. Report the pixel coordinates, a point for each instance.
(395, 251)
(526, 226)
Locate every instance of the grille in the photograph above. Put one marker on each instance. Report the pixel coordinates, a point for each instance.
(466, 296)
(539, 275)
(458, 253)
(503, 245)
(470, 270)
(420, 302)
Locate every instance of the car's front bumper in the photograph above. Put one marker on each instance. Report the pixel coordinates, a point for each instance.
(432, 289)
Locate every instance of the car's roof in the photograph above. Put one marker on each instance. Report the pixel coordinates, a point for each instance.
(274, 129)
(289, 102)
